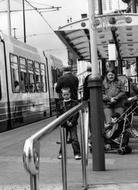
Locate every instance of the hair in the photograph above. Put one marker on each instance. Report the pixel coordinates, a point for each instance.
(112, 71)
(65, 88)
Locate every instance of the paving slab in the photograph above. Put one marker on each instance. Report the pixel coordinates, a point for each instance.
(121, 170)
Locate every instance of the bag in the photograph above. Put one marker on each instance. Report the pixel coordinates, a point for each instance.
(132, 132)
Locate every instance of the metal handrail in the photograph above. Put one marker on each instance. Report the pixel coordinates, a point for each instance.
(31, 151)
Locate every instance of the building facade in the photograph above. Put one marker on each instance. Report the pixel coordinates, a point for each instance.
(110, 6)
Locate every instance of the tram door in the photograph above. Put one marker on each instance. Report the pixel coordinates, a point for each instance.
(4, 100)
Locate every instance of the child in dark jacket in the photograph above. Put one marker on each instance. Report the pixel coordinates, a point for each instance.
(71, 124)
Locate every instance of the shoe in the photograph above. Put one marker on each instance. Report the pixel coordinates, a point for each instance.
(89, 145)
(58, 142)
(69, 141)
(77, 157)
(107, 147)
(60, 156)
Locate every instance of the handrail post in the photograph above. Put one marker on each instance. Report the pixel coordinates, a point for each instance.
(64, 157)
(86, 131)
(31, 157)
(31, 151)
(34, 182)
(82, 135)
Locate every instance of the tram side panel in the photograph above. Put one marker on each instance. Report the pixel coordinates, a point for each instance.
(29, 100)
(4, 107)
(55, 66)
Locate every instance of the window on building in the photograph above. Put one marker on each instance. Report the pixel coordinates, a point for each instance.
(43, 78)
(104, 6)
(14, 73)
(23, 75)
(31, 76)
(110, 5)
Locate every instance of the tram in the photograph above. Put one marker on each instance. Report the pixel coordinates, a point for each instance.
(27, 79)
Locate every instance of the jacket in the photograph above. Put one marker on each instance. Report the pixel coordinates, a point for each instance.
(86, 91)
(64, 107)
(113, 89)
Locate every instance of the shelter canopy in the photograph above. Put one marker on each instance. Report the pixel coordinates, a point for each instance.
(122, 29)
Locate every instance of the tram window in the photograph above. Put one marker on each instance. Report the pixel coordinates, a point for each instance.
(37, 77)
(14, 73)
(43, 78)
(31, 76)
(23, 75)
(54, 75)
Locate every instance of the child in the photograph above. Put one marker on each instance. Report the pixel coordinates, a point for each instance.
(71, 124)
(113, 130)
(111, 127)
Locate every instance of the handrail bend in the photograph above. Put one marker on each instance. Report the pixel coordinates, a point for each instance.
(31, 151)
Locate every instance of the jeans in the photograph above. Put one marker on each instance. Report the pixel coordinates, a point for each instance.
(108, 112)
(74, 140)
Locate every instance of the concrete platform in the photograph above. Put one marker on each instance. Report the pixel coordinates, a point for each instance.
(121, 170)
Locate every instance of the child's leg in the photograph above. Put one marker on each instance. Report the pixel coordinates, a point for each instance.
(66, 134)
(75, 141)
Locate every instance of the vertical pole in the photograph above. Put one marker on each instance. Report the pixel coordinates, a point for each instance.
(96, 104)
(120, 67)
(103, 67)
(137, 67)
(24, 23)
(14, 33)
(100, 9)
(34, 182)
(83, 150)
(86, 132)
(134, 8)
(92, 30)
(9, 17)
(64, 157)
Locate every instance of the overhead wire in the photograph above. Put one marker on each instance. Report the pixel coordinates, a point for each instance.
(31, 9)
(35, 8)
(32, 35)
(39, 12)
(41, 3)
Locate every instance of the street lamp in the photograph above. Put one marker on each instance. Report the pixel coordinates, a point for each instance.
(24, 23)
(9, 17)
(96, 103)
